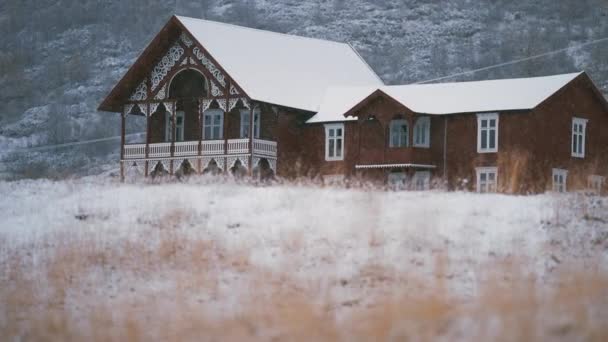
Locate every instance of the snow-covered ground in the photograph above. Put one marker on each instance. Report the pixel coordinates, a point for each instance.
(92, 258)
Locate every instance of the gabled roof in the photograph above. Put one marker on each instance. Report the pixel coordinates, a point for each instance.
(449, 98)
(270, 67)
(281, 69)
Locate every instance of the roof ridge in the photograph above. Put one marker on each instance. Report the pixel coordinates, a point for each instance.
(365, 62)
(490, 80)
(263, 31)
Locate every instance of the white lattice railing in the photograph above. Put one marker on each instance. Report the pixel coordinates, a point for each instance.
(265, 147)
(160, 150)
(212, 147)
(135, 151)
(186, 148)
(238, 146)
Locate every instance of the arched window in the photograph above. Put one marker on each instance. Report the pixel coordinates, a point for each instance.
(422, 132)
(399, 133)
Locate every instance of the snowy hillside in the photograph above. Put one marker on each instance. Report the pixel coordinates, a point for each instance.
(96, 259)
(60, 58)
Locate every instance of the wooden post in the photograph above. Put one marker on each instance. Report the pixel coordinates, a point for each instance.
(251, 133)
(200, 136)
(147, 151)
(173, 106)
(122, 145)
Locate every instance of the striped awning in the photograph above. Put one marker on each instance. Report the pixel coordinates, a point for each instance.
(390, 166)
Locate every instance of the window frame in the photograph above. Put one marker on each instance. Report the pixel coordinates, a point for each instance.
(245, 123)
(425, 177)
(480, 118)
(212, 112)
(391, 126)
(397, 180)
(486, 170)
(574, 142)
(555, 186)
(335, 138)
(427, 132)
(178, 128)
(596, 183)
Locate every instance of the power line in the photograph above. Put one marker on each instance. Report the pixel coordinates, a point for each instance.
(515, 61)
(75, 143)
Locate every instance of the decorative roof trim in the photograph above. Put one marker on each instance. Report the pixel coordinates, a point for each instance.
(389, 166)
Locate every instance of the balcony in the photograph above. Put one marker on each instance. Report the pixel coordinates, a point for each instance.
(262, 148)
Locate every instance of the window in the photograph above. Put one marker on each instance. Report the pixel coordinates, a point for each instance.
(398, 133)
(487, 133)
(596, 183)
(487, 179)
(579, 127)
(245, 123)
(213, 124)
(396, 180)
(422, 132)
(422, 180)
(560, 179)
(334, 142)
(179, 126)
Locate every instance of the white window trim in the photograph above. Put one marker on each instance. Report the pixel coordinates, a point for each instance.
(399, 122)
(422, 120)
(487, 116)
(583, 122)
(168, 126)
(212, 112)
(397, 180)
(425, 177)
(327, 128)
(564, 174)
(596, 182)
(256, 124)
(479, 171)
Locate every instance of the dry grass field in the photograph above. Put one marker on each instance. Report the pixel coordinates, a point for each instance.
(94, 260)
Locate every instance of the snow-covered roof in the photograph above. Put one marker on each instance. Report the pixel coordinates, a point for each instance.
(281, 69)
(449, 98)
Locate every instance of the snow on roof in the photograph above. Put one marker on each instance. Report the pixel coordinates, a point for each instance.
(281, 69)
(450, 98)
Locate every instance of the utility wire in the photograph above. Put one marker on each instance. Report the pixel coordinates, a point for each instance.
(515, 61)
(75, 143)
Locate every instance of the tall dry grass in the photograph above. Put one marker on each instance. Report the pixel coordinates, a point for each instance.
(76, 288)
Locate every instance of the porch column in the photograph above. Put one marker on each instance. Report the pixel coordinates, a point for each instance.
(200, 136)
(122, 144)
(147, 150)
(172, 137)
(251, 133)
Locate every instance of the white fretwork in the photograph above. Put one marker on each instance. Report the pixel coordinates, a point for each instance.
(232, 160)
(232, 103)
(192, 61)
(184, 62)
(169, 107)
(222, 104)
(143, 108)
(205, 104)
(271, 161)
(218, 160)
(245, 103)
(186, 39)
(233, 90)
(161, 93)
(154, 107)
(128, 108)
(135, 169)
(210, 66)
(152, 164)
(215, 91)
(166, 64)
(141, 92)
